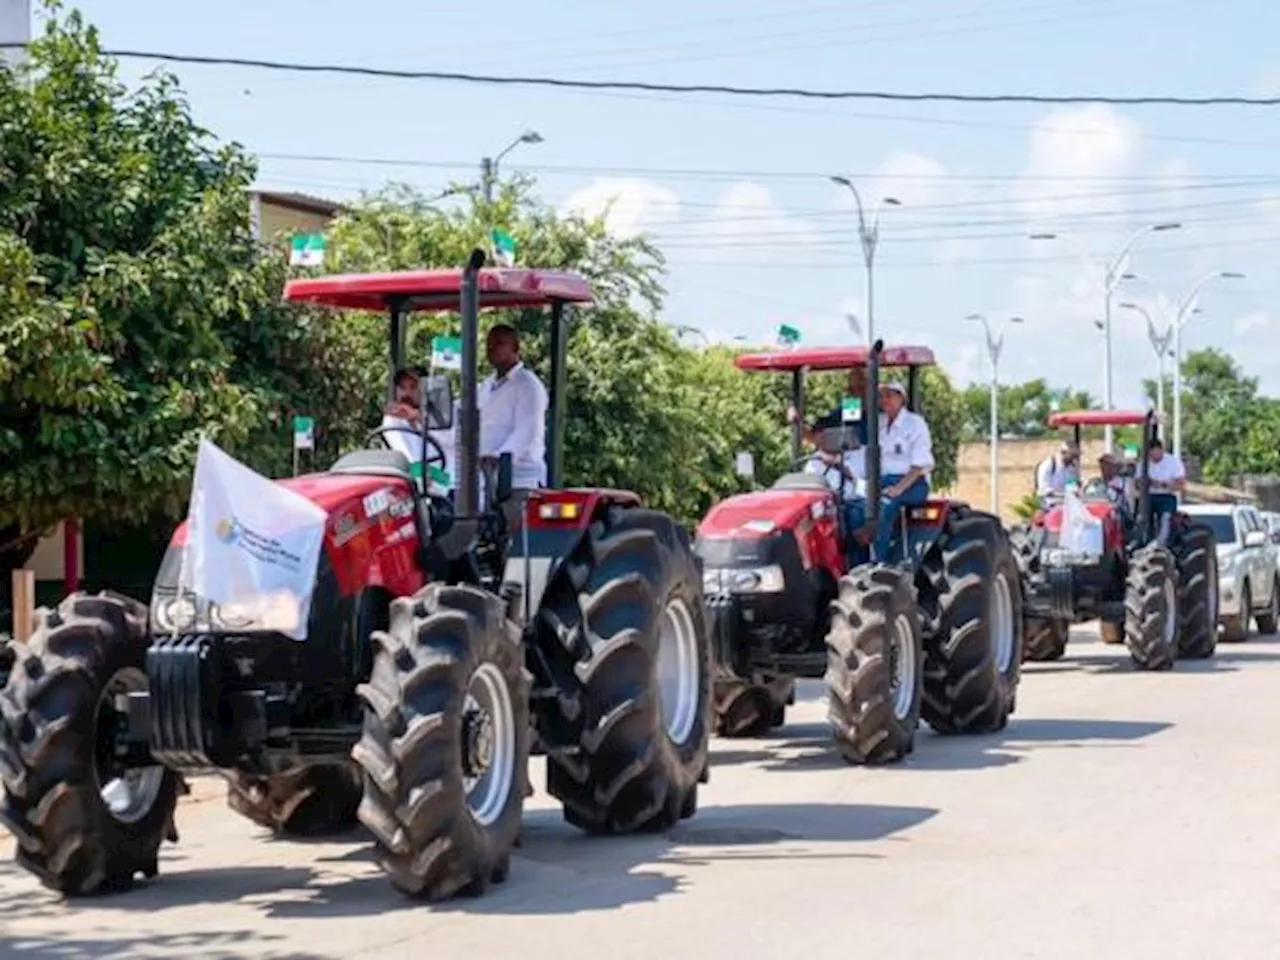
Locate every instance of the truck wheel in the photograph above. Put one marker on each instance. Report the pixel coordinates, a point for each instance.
(84, 822)
(1044, 640)
(1236, 629)
(1196, 556)
(1111, 632)
(874, 659)
(445, 745)
(309, 802)
(1267, 622)
(973, 658)
(1151, 609)
(622, 638)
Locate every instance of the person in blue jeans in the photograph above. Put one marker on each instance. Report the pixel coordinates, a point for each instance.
(906, 457)
(1168, 479)
(844, 472)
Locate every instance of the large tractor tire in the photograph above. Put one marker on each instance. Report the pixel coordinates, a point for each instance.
(1026, 542)
(308, 802)
(747, 710)
(875, 652)
(445, 745)
(1196, 555)
(1151, 609)
(972, 595)
(1044, 640)
(621, 637)
(83, 822)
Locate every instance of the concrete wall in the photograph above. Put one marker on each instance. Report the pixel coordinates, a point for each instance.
(1018, 461)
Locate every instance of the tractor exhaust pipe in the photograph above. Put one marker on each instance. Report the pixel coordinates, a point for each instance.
(871, 408)
(469, 452)
(1144, 479)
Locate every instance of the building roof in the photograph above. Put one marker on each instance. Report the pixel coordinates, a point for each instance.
(300, 201)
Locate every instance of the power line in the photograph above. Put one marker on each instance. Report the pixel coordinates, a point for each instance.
(802, 93)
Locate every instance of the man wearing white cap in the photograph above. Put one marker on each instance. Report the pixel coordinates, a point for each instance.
(1055, 472)
(906, 457)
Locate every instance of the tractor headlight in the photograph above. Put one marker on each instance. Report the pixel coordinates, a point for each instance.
(186, 613)
(743, 579)
(171, 613)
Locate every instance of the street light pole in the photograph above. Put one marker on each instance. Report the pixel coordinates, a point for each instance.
(1160, 344)
(995, 344)
(1179, 321)
(869, 234)
(1111, 279)
(489, 165)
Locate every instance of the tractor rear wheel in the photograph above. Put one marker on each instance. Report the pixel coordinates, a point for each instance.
(621, 637)
(973, 654)
(1151, 609)
(84, 821)
(1196, 554)
(1044, 640)
(445, 746)
(308, 802)
(874, 657)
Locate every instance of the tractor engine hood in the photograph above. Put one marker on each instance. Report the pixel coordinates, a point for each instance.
(761, 514)
(1051, 519)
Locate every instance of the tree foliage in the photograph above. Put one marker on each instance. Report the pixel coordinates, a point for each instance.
(1022, 409)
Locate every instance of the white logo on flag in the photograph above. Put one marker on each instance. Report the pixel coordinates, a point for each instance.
(252, 547)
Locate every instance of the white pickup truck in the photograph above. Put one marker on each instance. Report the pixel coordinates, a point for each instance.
(1248, 577)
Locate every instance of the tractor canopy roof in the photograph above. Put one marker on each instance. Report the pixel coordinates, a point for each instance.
(1097, 418)
(833, 358)
(440, 290)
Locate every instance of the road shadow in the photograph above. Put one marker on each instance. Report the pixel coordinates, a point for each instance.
(808, 747)
(557, 870)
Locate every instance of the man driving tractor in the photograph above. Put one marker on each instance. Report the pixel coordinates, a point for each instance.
(845, 472)
(906, 457)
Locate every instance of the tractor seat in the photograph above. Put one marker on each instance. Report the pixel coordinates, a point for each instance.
(375, 463)
(801, 481)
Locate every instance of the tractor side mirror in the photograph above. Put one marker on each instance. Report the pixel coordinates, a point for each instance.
(502, 485)
(437, 401)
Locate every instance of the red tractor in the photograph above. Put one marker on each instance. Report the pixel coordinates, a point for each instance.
(932, 630)
(1154, 590)
(439, 654)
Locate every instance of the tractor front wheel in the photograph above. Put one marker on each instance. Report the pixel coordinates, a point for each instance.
(874, 658)
(1151, 609)
(445, 746)
(1044, 640)
(308, 802)
(622, 638)
(84, 820)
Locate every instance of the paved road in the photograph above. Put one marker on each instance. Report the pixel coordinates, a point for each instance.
(1120, 815)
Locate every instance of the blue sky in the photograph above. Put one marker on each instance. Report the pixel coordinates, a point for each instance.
(734, 191)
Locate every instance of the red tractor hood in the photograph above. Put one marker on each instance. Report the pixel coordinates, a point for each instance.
(760, 514)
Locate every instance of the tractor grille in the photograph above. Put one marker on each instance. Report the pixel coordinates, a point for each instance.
(183, 675)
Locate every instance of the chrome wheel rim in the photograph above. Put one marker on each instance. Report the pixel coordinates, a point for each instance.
(489, 744)
(902, 668)
(678, 671)
(129, 794)
(1169, 632)
(1002, 627)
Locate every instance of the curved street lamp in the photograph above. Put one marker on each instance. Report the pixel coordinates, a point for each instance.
(1179, 321)
(995, 344)
(869, 234)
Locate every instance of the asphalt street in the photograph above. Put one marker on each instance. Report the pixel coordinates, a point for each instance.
(1120, 815)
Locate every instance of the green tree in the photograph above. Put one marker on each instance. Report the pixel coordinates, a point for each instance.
(1022, 409)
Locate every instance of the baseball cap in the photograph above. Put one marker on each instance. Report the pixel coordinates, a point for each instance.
(895, 386)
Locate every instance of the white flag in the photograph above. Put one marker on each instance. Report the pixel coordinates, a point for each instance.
(252, 547)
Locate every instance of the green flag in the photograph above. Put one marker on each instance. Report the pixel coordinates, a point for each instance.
(446, 353)
(788, 336)
(307, 250)
(504, 247)
(304, 433)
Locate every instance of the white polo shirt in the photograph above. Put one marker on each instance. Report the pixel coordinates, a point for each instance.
(1052, 476)
(841, 486)
(905, 444)
(513, 419)
(409, 442)
(1167, 469)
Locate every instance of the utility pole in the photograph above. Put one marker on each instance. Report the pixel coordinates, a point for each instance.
(869, 234)
(1179, 321)
(1160, 344)
(995, 344)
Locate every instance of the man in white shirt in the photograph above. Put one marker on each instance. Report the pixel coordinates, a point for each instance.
(1168, 479)
(845, 473)
(513, 419)
(1055, 472)
(906, 458)
(405, 415)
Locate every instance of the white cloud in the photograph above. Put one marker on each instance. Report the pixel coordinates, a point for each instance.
(629, 206)
(749, 226)
(1249, 323)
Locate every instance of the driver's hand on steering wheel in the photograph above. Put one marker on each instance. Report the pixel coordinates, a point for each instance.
(404, 411)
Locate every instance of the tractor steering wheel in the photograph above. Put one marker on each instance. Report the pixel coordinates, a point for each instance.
(435, 452)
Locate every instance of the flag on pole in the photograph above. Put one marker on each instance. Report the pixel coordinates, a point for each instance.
(788, 336)
(504, 247)
(307, 250)
(446, 353)
(252, 548)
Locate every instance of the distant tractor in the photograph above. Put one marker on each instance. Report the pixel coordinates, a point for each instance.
(932, 630)
(1157, 594)
(440, 651)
